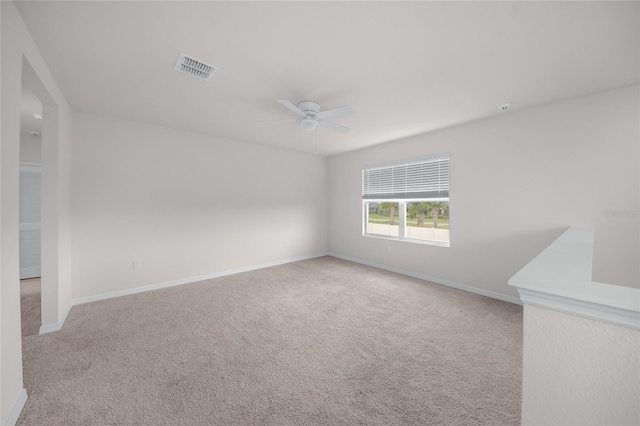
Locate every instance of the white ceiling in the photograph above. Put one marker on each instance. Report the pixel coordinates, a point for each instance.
(405, 67)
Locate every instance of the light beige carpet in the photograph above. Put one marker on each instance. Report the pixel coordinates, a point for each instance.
(318, 342)
(30, 311)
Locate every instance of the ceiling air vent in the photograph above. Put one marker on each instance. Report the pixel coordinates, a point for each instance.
(195, 67)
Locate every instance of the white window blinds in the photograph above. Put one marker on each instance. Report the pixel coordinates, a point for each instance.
(416, 179)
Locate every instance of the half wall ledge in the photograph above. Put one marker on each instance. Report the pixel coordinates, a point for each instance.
(559, 278)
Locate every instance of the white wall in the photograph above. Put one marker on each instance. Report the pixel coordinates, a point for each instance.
(616, 260)
(21, 59)
(517, 181)
(185, 205)
(30, 149)
(578, 371)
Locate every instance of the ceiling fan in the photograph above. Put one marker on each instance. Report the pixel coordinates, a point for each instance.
(310, 115)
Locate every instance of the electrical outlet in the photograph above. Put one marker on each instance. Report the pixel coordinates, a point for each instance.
(137, 264)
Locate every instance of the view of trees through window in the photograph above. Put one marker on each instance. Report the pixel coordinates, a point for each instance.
(423, 220)
(428, 214)
(383, 219)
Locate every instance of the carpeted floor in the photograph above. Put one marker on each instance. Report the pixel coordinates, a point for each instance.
(30, 306)
(318, 342)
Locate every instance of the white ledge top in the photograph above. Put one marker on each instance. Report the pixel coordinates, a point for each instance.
(559, 278)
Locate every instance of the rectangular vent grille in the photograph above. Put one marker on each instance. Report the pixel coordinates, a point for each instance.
(195, 67)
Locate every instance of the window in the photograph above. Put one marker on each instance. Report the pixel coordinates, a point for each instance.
(408, 201)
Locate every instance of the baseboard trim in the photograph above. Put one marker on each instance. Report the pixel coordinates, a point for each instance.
(440, 281)
(17, 408)
(151, 287)
(27, 273)
(50, 328)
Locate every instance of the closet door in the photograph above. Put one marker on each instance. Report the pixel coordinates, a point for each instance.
(30, 207)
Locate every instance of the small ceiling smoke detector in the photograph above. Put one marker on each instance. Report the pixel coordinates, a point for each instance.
(505, 106)
(34, 133)
(37, 115)
(195, 67)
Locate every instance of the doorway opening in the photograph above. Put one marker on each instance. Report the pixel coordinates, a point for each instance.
(30, 212)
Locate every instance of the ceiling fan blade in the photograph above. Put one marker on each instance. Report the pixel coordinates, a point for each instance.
(343, 110)
(285, 120)
(292, 107)
(334, 126)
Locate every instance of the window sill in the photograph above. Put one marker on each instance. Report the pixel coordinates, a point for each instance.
(409, 240)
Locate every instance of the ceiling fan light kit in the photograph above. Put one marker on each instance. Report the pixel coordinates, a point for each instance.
(308, 124)
(311, 116)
